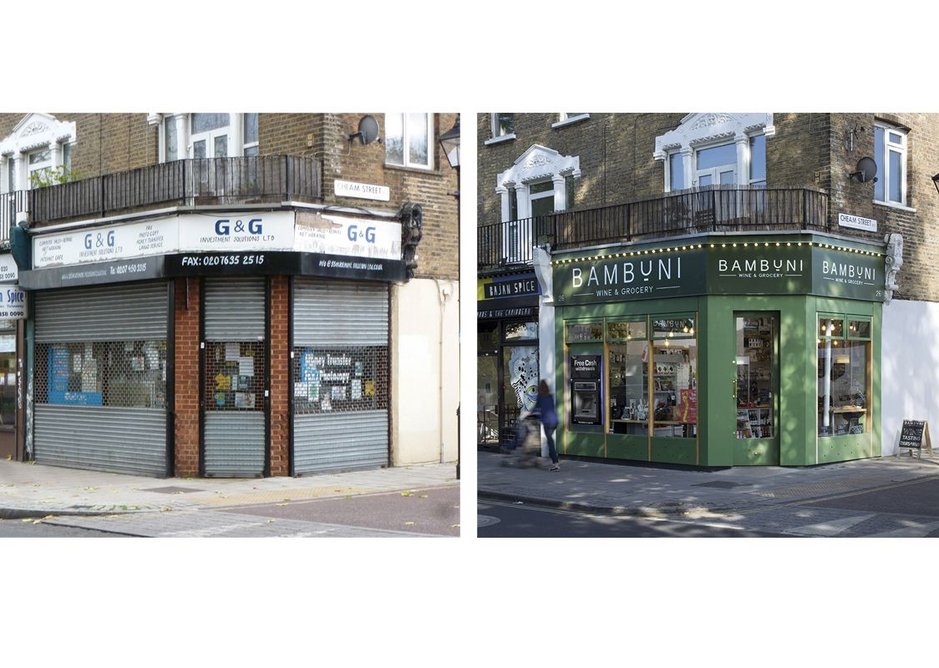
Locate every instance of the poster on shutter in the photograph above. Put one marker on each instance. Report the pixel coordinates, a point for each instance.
(244, 400)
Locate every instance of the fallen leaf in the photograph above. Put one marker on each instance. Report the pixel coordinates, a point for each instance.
(407, 493)
(454, 526)
(281, 504)
(409, 524)
(425, 496)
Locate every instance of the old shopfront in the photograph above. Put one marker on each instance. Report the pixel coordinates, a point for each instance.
(232, 344)
(507, 352)
(12, 317)
(721, 350)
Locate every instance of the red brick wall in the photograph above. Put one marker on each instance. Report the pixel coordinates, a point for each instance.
(186, 359)
(279, 382)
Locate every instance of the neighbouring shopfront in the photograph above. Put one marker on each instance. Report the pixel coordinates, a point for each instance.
(507, 353)
(238, 344)
(721, 351)
(13, 311)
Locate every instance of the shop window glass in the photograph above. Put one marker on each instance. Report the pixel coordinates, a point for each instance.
(629, 394)
(667, 328)
(129, 374)
(756, 366)
(673, 376)
(521, 331)
(625, 330)
(487, 337)
(830, 327)
(340, 379)
(7, 380)
(653, 384)
(859, 329)
(487, 400)
(520, 379)
(580, 332)
(843, 382)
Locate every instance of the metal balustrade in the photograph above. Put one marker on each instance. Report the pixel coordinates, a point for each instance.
(674, 214)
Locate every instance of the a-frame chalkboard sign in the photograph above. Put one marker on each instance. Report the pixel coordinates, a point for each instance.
(915, 436)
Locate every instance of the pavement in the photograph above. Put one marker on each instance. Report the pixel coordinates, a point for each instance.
(143, 506)
(644, 490)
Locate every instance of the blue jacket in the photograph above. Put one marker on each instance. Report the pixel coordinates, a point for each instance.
(545, 406)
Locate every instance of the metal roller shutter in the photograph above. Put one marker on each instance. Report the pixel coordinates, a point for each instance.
(235, 309)
(235, 436)
(327, 314)
(119, 313)
(346, 320)
(117, 438)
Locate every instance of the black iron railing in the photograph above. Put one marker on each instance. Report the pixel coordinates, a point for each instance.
(10, 205)
(181, 183)
(687, 212)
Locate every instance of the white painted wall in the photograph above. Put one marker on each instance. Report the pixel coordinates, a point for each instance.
(425, 374)
(909, 368)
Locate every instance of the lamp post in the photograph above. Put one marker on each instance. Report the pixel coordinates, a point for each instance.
(450, 144)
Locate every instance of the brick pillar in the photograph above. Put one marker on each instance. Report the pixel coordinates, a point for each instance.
(186, 361)
(280, 360)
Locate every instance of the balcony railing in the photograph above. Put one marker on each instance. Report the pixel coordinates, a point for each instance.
(687, 212)
(224, 181)
(10, 205)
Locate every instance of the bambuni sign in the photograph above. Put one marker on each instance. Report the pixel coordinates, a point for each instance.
(724, 267)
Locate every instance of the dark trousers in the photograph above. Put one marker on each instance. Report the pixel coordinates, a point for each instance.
(552, 450)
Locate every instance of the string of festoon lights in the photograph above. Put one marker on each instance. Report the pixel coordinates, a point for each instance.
(721, 245)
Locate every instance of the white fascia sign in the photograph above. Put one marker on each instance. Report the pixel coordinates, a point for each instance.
(102, 244)
(857, 222)
(9, 272)
(356, 237)
(361, 190)
(248, 231)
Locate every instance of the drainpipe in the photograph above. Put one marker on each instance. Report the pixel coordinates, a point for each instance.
(443, 295)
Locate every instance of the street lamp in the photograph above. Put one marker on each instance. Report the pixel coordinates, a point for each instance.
(450, 144)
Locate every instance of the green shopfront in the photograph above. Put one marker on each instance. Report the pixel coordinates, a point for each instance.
(721, 350)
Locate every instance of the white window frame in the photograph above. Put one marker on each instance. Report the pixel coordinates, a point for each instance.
(700, 131)
(36, 132)
(901, 148)
(566, 118)
(495, 136)
(247, 145)
(406, 162)
(185, 138)
(536, 165)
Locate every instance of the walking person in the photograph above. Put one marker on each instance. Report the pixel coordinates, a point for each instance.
(549, 420)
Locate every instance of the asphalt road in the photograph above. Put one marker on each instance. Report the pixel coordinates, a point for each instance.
(37, 529)
(505, 520)
(427, 511)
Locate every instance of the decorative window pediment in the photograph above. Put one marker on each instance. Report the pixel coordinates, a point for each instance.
(35, 131)
(537, 164)
(715, 149)
(711, 128)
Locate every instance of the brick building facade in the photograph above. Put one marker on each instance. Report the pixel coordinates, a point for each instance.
(640, 183)
(236, 231)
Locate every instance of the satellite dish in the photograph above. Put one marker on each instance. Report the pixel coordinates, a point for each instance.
(866, 170)
(368, 130)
